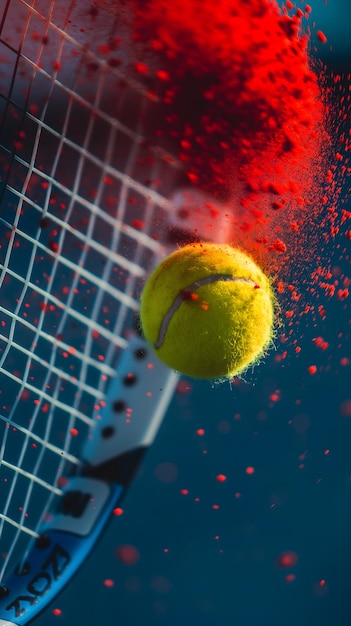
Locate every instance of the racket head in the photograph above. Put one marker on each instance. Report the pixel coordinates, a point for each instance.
(89, 205)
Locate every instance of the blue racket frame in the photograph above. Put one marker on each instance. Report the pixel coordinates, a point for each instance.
(111, 456)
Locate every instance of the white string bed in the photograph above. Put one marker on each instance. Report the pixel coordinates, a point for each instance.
(83, 208)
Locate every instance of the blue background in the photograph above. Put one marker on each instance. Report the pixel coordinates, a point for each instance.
(211, 557)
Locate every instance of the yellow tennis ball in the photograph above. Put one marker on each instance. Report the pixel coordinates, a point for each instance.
(208, 311)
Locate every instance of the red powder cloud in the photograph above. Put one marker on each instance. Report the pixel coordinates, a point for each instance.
(242, 106)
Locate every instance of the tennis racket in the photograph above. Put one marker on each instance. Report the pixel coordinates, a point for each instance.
(88, 207)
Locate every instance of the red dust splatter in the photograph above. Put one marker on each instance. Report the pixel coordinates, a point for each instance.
(221, 478)
(287, 559)
(345, 408)
(118, 511)
(241, 107)
(289, 578)
(56, 612)
(250, 470)
(321, 36)
(319, 342)
(128, 554)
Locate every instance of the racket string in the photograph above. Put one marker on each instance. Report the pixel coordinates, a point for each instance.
(82, 199)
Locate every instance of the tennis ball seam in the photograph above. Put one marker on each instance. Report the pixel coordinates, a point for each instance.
(179, 299)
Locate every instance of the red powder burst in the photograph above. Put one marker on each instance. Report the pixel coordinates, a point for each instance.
(241, 106)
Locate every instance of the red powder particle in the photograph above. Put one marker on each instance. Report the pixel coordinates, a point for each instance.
(321, 36)
(287, 559)
(221, 478)
(345, 408)
(141, 68)
(194, 178)
(53, 245)
(56, 611)
(250, 470)
(344, 361)
(128, 554)
(319, 342)
(275, 397)
(104, 49)
(289, 578)
(139, 224)
(341, 294)
(312, 369)
(163, 75)
(278, 245)
(118, 511)
(184, 387)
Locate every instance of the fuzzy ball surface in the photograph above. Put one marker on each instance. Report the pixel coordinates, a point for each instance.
(208, 311)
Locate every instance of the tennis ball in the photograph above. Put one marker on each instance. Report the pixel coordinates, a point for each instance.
(208, 310)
